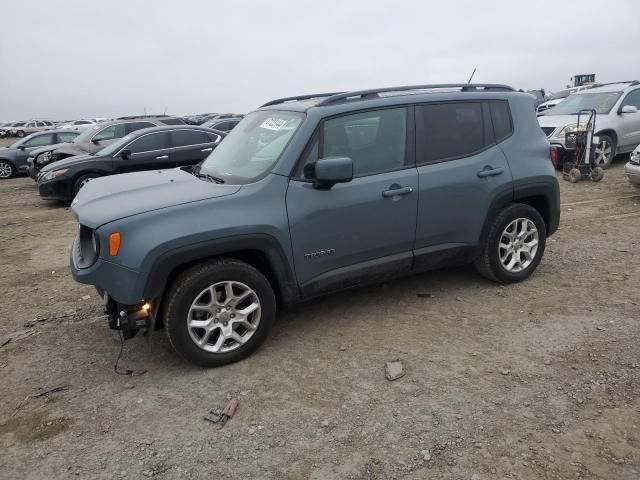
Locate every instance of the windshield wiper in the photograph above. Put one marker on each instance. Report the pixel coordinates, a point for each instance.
(208, 177)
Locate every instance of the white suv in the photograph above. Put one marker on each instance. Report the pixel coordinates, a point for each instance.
(617, 107)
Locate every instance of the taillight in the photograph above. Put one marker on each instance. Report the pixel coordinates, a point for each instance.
(553, 153)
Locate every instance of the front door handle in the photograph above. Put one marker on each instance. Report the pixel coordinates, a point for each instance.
(207, 149)
(162, 157)
(397, 190)
(489, 171)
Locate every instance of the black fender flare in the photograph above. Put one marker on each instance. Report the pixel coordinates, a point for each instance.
(282, 276)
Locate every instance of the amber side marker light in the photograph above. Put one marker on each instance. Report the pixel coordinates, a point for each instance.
(114, 244)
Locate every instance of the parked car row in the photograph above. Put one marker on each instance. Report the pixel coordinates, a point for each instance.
(223, 122)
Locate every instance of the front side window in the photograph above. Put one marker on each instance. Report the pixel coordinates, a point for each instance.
(110, 133)
(632, 99)
(374, 140)
(150, 142)
(252, 148)
(39, 141)
(449, 130)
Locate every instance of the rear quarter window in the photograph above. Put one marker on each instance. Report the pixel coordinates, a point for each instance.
(501, 119)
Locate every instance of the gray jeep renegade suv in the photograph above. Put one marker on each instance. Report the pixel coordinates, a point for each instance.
(313, 194)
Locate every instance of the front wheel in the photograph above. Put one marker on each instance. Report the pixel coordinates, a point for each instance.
(219, 312)
(82, 181)
(7, 169)
(514, 245)
(604, 152)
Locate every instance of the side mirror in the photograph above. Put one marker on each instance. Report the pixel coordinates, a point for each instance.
(21, 147)
(332, 170)
(125, 154)
(629, 109)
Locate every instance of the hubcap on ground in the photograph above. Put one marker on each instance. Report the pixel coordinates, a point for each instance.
(223, 317)
(5, 170)
(603, 153)
(518, 245)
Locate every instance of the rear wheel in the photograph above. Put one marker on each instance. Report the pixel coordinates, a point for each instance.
(83, 180)
(7, 169)
(219, 312)
(604, 151)
(514, 246)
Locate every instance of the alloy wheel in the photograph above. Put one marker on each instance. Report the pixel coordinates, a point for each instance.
(603, 153)
(518, 245)
(5, 170)
(223, 317)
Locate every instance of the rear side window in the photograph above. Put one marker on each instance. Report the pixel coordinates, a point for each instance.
(501, 119)
(66, 136)
(133, 126)
(172, 121)
(181, 138)
(150, 142)
(449, 130)
(110, 133)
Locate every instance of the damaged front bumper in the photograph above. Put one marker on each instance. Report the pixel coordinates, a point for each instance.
(129, 319)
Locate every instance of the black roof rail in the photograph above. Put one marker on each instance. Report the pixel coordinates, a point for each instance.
(464, 87)
(298, 98)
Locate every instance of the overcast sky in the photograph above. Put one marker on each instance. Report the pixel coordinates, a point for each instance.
(81, 58)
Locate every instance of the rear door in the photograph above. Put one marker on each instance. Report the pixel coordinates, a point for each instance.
(461, 170)
(189, 147)
(148, 152)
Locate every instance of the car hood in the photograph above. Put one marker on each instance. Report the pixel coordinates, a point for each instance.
(107, 199)
(68, 162)
(78, 148)
(602, 121)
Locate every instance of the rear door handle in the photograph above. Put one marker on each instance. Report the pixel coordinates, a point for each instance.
(397, 191)
(162, 157)
(207, 149)
(489, 172)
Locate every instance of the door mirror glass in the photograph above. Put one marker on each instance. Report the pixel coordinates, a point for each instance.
(125, 154)
(332, 170)
(629, 109)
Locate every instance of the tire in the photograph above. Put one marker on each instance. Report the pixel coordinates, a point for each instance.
(575, 175)
(489, 263)
(7, 169)
(20, 133)
(607, 143)
(186, 299)
(597, 174)
(82, 181)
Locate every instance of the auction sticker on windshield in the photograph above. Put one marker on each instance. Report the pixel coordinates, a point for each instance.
(273, 123)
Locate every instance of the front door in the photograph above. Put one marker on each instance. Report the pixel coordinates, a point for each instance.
(358, 231)
(629, 123)
(148, 152)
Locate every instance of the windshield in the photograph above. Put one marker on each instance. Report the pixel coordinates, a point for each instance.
(560, 94)
(115, 146)
(87, 134)
(602, 103)
(253, 147)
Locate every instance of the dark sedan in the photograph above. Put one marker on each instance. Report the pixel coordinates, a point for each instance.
(13, 159)
(148, 149)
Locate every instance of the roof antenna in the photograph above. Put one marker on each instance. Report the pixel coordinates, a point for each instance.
(472, 74)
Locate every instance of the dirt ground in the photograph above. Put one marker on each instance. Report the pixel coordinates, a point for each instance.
(539, 380)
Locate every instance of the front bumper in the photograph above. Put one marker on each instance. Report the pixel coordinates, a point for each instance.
(59, 188)
(632, 172)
